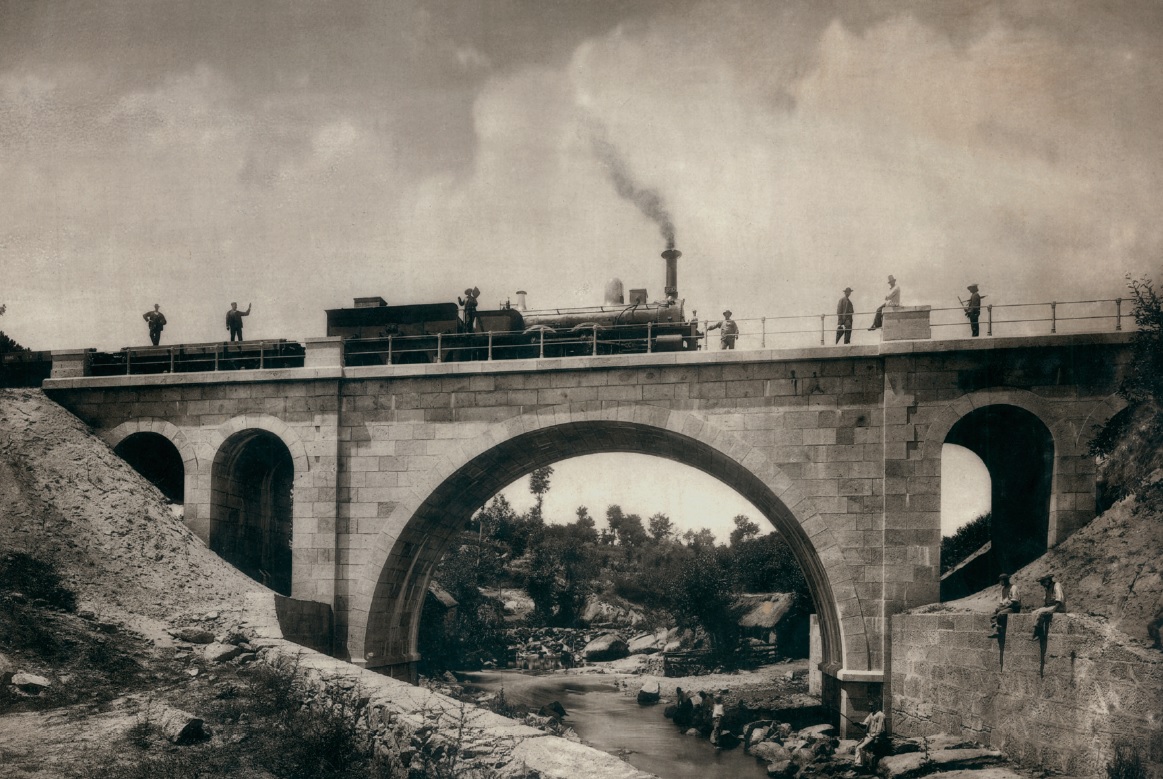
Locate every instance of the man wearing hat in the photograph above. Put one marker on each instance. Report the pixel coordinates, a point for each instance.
(1008, 603)
(470, 308)
(730, 330)
(156, 321)
(844, 312)
(234, 321)
(1054, 602)
(891, 300)
(973, 309)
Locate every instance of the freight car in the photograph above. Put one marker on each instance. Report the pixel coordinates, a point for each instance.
(378, 334)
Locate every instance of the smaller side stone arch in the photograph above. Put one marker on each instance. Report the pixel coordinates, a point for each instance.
(114, 436)
(307, 535)
(1024, 399)
(213, 441)
(1073, 476)
(186, 451)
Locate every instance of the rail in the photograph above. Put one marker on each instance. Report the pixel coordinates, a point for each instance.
(1001, 319)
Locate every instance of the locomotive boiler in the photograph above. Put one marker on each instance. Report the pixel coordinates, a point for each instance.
(379, 334)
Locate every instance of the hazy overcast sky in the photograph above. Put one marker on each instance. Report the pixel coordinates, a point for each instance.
(297, 154)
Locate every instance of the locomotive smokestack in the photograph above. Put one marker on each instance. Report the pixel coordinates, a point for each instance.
(671, 256)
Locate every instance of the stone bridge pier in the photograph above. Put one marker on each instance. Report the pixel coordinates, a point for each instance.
(346, 485)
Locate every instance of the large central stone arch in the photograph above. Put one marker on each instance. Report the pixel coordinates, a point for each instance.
(385, 605)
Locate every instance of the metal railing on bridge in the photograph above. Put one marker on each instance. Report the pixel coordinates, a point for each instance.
(195, 358)
(775, 332)
(1004, 319)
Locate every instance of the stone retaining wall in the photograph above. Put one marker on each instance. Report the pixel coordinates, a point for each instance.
(1060, 705)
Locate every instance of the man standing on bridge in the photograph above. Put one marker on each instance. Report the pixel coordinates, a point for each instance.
(156, 321)
(973, 309)
(234, 321)
(729, 328)
(470, 308)
(844, 312)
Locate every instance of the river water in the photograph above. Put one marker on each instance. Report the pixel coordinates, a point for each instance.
(608, 719)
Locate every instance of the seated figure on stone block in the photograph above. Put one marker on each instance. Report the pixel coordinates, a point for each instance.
(1054, 602)
(873, 735)
(891, 300)
(1008, 603)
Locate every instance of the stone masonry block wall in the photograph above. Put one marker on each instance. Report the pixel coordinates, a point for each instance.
(306, 623)
(1061, 710)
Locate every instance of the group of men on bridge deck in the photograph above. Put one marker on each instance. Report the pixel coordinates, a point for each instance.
(845, 310)
(1010, 602)
(156, 321)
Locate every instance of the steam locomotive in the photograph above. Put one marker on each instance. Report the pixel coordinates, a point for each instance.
(379, 334)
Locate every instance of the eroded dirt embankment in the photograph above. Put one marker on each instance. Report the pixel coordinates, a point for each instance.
(65, 497)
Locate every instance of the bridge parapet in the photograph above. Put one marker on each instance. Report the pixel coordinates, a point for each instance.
(324, 363)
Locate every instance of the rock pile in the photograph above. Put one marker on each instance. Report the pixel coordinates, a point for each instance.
(550, 648)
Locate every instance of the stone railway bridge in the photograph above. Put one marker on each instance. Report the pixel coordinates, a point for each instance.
(345, 485)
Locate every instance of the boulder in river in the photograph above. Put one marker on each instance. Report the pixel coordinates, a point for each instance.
(649, 693)
(770, 751)
(647, 643)
(606, 647)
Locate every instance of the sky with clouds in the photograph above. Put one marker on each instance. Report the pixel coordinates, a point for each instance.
(294, 155)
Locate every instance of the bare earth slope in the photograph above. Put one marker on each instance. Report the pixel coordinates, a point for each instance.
(66, 497)
(1112, 568)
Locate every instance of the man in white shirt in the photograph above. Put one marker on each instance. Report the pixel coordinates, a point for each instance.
(873, 728)
(1008, 603)
(1054, 601)
(891, 300)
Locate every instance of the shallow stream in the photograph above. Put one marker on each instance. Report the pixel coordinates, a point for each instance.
(608, 719)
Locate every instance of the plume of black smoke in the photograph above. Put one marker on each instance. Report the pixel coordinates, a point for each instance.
(648, 201)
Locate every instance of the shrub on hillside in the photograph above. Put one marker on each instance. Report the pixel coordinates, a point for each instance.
(36, 580)
(1130, 444)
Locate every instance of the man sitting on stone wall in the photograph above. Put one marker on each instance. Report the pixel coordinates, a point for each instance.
(1008, 603)
(873, 731)
(1055, 601)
